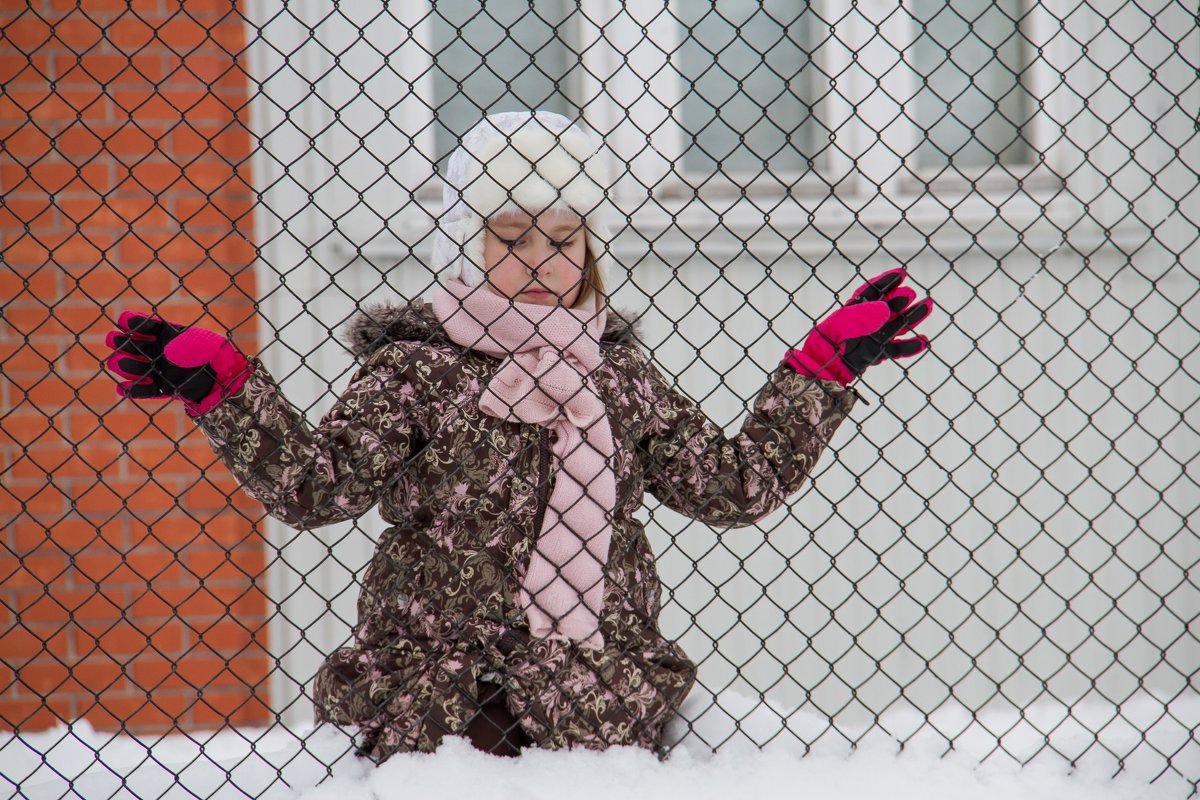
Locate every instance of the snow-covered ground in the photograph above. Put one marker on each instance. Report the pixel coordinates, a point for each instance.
(761, 755)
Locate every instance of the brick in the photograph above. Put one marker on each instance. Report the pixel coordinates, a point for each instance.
(24, 360)
(212, 566)
(77, 32)
(28, 716)
(141, 712)
(193, 670)
(42, 677)
(187, 603)
(124, 423)
(52, 110)
(205, 495)
(81, 210)
(207, 282)
(27, 32)
(232, 707)
(16, 67)
(182, 95)
(227, 528)
(85, 99)
(201, 213)
(27, 144)
(156, 177)
(229, 34)
(101, 394)
(172, 531)
(236, 640)
(43, 569)
(82, 248)
(139, 208)
(185, 143)
(149, 65)
(100, 452)
(78, 537)
(102, 68)
(64, 604)
(69, 535)
(130, 33)
(131, 142)
(48, 392)
(126, 639)
(101, 497)
(23, 642)
(95, 176)
(165, 109)
(36, 211)
(39, 500)
(235, 251)
(52, 176)
(181, 253)
(25, 428)
(139, 569)
(167, 458)
(98, 8)
(99, 674)
(182, 34)
(26, 99)
(14, 176)
(152, 283)
(102, 284)
(150, 499)
(61, 466)
(85, 359)
(208, 68)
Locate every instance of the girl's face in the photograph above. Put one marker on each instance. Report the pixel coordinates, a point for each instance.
(536, 259)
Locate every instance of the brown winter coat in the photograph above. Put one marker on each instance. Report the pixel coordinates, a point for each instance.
(464, 494)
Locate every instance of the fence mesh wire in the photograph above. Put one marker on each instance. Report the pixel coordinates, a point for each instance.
(998, 554)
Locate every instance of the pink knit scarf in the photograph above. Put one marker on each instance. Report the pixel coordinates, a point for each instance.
(549, 355)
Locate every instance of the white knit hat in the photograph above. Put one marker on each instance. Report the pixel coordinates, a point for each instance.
(531, 161)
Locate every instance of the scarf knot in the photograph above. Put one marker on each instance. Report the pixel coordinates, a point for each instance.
(548, 354)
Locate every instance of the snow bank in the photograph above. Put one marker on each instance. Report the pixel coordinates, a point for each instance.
(761, 754)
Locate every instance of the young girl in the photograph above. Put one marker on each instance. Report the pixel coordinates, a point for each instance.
(509, 431)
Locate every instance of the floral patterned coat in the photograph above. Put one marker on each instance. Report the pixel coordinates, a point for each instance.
(464, 494)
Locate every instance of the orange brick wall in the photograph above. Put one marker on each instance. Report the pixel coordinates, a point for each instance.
(130, 566)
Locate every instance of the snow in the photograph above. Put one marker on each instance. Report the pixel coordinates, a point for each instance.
(761, 754)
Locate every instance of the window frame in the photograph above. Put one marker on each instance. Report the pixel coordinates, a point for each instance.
(1036, 175)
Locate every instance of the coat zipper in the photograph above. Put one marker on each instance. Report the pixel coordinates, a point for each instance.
(543, 490)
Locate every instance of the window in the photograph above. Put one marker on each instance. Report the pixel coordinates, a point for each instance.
(748, 96)
(484, 61)
(970, 105)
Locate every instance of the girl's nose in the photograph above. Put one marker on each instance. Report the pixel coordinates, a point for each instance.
(542, 259)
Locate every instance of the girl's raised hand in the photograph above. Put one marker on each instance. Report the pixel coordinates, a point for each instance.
(157, 358)
(866, 331)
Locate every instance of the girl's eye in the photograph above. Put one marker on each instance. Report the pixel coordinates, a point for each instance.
(511, 243)
(561, 245)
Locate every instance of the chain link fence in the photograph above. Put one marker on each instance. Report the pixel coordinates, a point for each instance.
(997, 555)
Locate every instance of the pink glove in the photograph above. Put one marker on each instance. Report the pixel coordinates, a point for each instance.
(865, 331)
(161, 359)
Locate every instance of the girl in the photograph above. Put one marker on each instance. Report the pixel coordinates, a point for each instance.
(509, 431)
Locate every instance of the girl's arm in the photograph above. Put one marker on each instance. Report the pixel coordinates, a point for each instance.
(693, 468)
(309, 477)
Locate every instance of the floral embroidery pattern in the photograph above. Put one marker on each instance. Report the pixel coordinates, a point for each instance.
(460, 492)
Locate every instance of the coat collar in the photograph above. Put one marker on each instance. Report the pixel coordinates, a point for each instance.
(380, 324)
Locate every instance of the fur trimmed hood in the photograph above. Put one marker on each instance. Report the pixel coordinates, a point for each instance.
(381, 324)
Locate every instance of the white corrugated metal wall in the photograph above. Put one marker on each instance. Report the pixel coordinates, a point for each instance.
(1033, 475)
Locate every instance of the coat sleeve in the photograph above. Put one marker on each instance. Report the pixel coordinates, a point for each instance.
(695, 469)
(308, 477)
